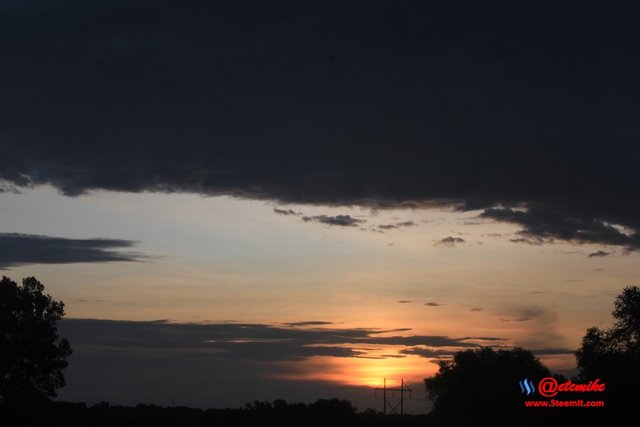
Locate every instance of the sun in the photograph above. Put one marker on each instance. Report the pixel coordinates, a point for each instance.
(363, 372)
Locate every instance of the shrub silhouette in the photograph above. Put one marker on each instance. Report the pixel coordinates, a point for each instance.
(32, 356)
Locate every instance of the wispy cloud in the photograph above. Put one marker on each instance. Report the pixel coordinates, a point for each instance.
(310, 323)
(599, 254)
(525, 314)
(338, 220)
(535, 241)
(396, 225)
(286, 212)
(541, 327)
(449, 241)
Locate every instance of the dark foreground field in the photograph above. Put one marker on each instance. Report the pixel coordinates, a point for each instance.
(332, 413)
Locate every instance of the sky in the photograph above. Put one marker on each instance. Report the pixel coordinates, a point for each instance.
(250, 200)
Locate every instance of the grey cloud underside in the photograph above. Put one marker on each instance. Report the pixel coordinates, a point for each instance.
(541, 223)
(333, 103)
(259, 342)
(19, 249)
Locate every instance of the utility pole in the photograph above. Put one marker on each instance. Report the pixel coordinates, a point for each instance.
(386, 403)
(384, 397)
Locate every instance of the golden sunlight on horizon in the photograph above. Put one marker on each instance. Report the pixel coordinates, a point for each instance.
(361, 371)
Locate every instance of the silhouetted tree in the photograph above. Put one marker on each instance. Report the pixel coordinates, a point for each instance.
(613, 355)
(32, 356)
(482, 384)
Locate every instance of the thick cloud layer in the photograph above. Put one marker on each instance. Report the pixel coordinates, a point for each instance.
(19, 249)
(159, 362)
(258, 342)
(336, 102)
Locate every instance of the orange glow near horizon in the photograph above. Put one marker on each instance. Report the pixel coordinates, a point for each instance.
(360, 371)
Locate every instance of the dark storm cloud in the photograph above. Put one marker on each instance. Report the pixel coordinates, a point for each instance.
(422, 104)
(397, 225)
(339, 220)
(259, 342)
(599, 254)
(20, 249)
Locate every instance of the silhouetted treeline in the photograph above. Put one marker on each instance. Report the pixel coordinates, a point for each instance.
(324, 412)
(486, 386)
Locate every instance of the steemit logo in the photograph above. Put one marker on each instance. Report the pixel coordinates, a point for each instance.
(527, 387)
